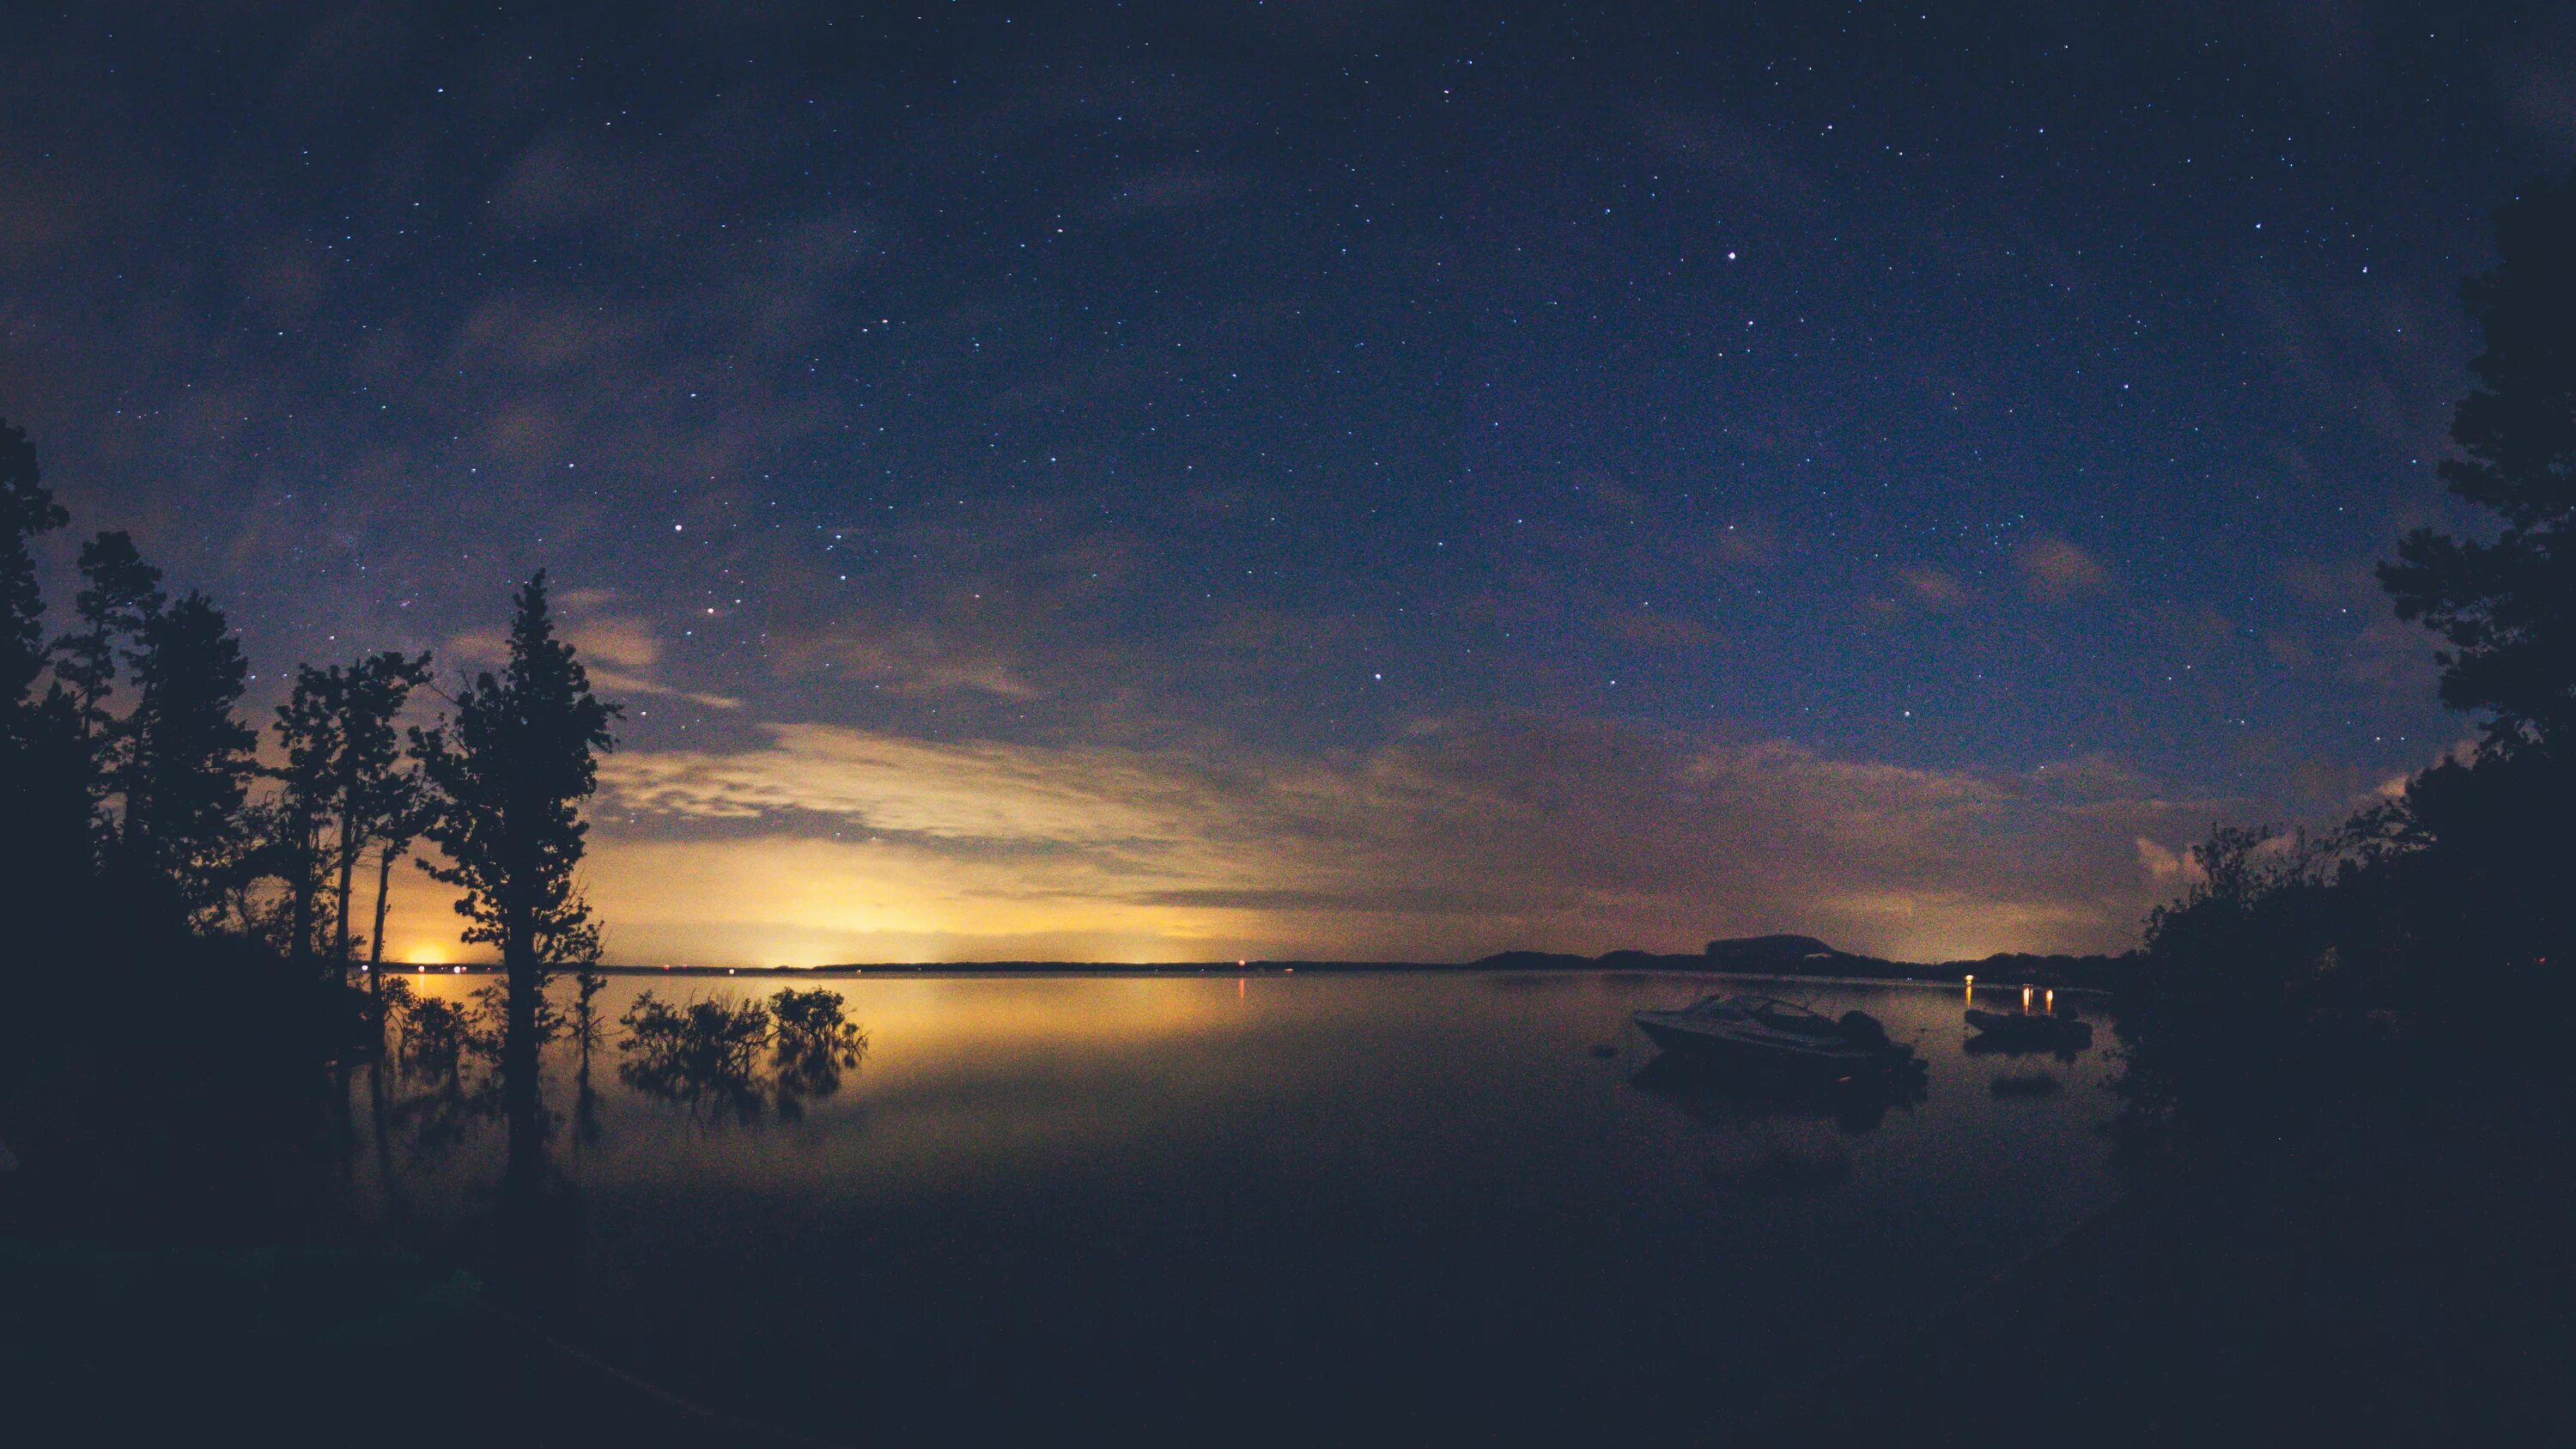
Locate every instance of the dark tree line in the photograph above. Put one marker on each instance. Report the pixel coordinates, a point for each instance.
(2438, 925)
(132, 774)
(146, 837)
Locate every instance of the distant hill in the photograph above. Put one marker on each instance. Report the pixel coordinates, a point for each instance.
(1793, 955)
(1773, 955)
(1770, 952)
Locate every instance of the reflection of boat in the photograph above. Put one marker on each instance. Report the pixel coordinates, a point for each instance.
(1723, 1092)
(2031, 1030)
(1758, 1031)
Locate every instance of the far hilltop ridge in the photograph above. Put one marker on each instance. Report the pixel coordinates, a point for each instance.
(1780, 954)
(1795, 955)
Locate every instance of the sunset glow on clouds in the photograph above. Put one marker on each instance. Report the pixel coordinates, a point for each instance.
(1460, 837)
(1410, 528)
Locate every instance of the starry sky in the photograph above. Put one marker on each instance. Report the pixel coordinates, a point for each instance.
(1261, 479)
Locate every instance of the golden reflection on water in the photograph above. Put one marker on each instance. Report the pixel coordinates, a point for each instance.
(1149, 1165)
(958, 1013)
(977, 1082)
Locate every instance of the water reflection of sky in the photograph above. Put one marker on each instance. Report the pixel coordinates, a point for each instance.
(1385, 1141)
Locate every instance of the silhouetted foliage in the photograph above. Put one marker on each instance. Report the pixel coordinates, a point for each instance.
(50, 894)
(308, 734)
(44, 771)
(588, 1030)
(185, 768)
(814, 1043)
(27, 508)
(2299, 971)
(704, 1052)
(370, 795)
(737, 1056)
(436, 1035)
(2505, 606)
(401, 807)
(195, 1093)
(511, 771)
(341, 789)
(2483, 848)
(122, 593)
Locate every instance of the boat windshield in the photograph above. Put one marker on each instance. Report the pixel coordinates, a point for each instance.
(1786, 1016)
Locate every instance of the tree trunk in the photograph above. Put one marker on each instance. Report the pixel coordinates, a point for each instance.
(348, 864)
(301, 951)
(519, 1061)
(376, 942)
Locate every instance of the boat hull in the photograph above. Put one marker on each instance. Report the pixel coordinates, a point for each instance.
(2030, 1029)
(1828, 1061)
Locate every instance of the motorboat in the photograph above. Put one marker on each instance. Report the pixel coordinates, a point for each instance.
(1764, 1032)
(2033, 1030)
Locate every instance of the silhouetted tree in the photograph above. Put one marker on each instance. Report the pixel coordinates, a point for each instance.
(368, 787)
(2497, 847)
(511, 771)
(2284, 976)
(308, 732)
(208, 1096)
(340, 778)
(2508, 607)
(44, 771)
(186, 765)
(710, 1053)
(402, 808)
(27, 508)
(123, 591)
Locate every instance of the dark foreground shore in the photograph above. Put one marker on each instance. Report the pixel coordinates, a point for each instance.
(2405, 1280)
(2403, 1277)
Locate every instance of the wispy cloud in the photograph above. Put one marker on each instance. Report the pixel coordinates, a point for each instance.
(621, 652)
(2058, 572)
(1932, 588)
(1460, 835)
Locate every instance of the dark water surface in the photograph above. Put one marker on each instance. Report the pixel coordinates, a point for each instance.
(1377, 1205)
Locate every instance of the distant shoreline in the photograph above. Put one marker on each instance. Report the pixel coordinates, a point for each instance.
(1848, 971)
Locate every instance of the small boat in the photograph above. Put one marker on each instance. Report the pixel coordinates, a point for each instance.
(1761, 1031)
(2033, 1029)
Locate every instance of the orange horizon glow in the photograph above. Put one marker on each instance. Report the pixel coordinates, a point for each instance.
(985, 851)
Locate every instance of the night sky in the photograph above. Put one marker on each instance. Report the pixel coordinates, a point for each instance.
(1307, 479)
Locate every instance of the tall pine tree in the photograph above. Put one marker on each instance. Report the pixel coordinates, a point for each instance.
(367, 789)
(511, 771)
(186, 768)
(44, 770)
(2507, 607)
(2492, 886)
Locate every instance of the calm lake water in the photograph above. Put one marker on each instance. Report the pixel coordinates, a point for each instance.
(1379, 1205)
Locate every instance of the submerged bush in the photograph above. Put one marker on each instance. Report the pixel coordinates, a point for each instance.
(738, 1055)
(815, 1042)
(713, 1036)
(435, 1034)
(698, 1051)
